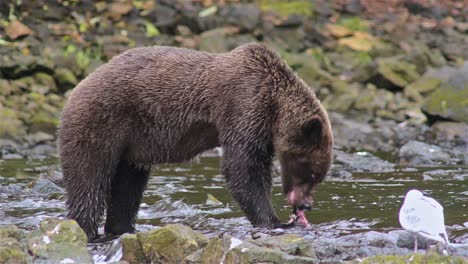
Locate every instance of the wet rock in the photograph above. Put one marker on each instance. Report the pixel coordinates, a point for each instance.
(276, 249)
(58, 241)
(16, 29)
(66, 79)
(419, 153)
(244, 16)
(132, 252)
(45, 185)
(405, 239)
(356, 246)
(170, 244)
(362, 162)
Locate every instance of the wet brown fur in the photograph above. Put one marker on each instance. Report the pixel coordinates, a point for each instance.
(164, 105)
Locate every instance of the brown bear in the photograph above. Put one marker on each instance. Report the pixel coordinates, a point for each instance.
(158, 105)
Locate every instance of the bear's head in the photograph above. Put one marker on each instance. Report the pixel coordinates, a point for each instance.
(303, 145)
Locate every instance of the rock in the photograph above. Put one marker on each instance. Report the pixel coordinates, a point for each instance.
(276, 249)
(354, 7)
(164, 18)
(43, 83)
(65, 79)
(11, 127)
(16, 29)
(451, 133)
(132, 252)
(291, 244)
(423, 85)
(360, 41)
(215, 40)
(394, 73)
(170, 244)
(411, 258)
(45, 187)
(419, 153)
(338, 31)
(12, 250)
(447, 102)
(362, 162)
(58, 241)
(244, 16)
(117, 10)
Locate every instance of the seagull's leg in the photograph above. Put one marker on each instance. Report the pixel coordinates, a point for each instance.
(415, 243)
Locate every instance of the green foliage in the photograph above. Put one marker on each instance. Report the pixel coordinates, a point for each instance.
(83, 59)
(354, 24)
(151, 30)
(286, 8)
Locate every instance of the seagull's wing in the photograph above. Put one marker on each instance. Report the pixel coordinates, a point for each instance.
(432, 224)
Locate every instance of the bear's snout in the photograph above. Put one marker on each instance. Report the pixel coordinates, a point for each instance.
(299, 199)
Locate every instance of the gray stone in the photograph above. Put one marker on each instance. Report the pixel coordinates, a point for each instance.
(362, 162)
(419, 153)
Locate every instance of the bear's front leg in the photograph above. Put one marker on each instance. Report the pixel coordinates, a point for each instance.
(248, 178)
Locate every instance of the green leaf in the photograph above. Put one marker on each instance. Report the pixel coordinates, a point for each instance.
(151, 30)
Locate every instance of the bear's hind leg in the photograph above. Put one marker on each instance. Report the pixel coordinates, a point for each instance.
(127, 190)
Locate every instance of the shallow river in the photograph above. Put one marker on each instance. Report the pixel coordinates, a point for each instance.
(178, 194)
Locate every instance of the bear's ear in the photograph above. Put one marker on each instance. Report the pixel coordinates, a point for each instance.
(311, 131)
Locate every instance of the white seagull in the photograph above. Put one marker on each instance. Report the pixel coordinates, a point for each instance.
(424, 216)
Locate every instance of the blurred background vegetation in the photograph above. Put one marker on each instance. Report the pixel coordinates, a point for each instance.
(401, 60)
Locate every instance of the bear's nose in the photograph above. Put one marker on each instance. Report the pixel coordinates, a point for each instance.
(305, 206)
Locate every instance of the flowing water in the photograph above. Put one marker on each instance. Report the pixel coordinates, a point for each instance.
(178, 194)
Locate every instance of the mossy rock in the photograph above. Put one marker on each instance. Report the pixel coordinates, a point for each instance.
(424, 85)
(56, 242)
(11, 255)
(291, 244)
(448, 102)
(170, 244)
(397, 72)
(132, 252)
(431, 258)
(10, 124)
(287, 8)
(11, 231)
(65, 78)
(216, 249)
